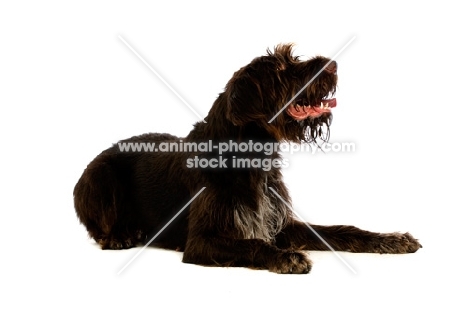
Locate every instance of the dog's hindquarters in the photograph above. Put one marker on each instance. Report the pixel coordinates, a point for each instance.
(101, 203)
(125, 197)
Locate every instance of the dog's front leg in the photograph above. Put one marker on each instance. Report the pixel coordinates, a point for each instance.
(298, 235)
(251, 253)
(214, 240)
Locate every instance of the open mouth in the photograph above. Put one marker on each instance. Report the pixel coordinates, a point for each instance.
(301, 112)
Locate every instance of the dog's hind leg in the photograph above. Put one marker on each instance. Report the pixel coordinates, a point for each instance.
(298, 235)
(100, 206)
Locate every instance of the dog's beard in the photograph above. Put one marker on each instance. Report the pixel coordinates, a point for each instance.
(311, 130)
(317, 130)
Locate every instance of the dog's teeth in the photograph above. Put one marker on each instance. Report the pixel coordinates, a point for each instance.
(326, 106)
(321, 105)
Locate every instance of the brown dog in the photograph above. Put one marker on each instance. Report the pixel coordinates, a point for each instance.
(240, 215)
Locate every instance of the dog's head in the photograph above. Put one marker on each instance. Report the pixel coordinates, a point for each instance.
(289, 98)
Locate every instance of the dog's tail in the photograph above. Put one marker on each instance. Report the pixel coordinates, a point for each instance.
(97, 199)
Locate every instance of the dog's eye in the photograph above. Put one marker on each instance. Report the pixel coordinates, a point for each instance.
(280, 67)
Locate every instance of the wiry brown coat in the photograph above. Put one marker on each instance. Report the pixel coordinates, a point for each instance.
(124, 198)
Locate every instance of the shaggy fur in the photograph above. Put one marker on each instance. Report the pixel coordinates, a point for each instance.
(125, 198)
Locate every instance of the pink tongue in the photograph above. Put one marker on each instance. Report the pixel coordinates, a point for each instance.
(301, 113)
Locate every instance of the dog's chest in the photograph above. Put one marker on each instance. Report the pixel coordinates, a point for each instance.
(263, 223)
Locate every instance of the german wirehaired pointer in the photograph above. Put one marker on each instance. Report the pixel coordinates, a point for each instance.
(243, 216)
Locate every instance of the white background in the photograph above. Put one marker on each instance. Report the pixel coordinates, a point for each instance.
(69, 88)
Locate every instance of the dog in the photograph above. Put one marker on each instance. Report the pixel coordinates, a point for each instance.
(218, 211)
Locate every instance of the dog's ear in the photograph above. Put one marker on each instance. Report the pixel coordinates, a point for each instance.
(244, 99)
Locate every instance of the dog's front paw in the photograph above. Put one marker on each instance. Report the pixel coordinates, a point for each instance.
(291, 262)
(397, 243)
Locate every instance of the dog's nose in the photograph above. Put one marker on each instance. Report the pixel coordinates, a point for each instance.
(332, 67)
